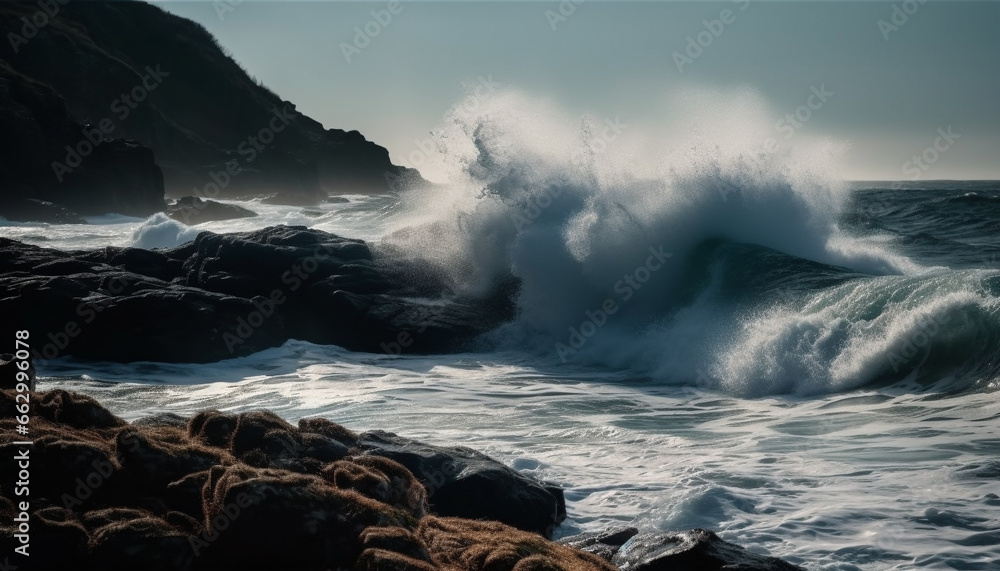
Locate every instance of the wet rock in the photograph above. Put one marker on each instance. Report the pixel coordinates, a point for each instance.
(604, 544)
(192, 210)
(19, 209)
(464, 483)
(695, 549)
(231, 295)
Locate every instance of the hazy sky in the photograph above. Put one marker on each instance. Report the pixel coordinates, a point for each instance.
(938, 68)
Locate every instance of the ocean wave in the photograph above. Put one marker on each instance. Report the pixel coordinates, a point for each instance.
(668, 258)
(161, 231)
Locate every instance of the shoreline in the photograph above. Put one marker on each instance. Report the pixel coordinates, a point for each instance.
(206, 492)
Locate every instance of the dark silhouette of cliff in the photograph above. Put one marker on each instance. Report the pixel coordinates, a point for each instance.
(117, 175)
(137, 76)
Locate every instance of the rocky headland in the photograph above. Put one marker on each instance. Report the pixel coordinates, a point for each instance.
(192, 210)
(108, 107)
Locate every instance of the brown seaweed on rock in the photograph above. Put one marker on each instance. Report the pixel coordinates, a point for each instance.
(243, 491)
(250, 491)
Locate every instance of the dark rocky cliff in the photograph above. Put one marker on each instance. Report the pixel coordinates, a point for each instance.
(142, 77)
(116, 175)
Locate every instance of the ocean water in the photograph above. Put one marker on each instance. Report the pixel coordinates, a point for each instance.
(807, 366)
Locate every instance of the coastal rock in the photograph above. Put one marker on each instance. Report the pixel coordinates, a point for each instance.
(462, 482)
(202, 138)
(695, 549)
(605, 544)
(111, 175)
(21, 209)
(192, 210)
(74, 410)
(231, 295)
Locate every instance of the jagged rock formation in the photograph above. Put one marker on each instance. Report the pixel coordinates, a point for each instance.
(222, 296)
